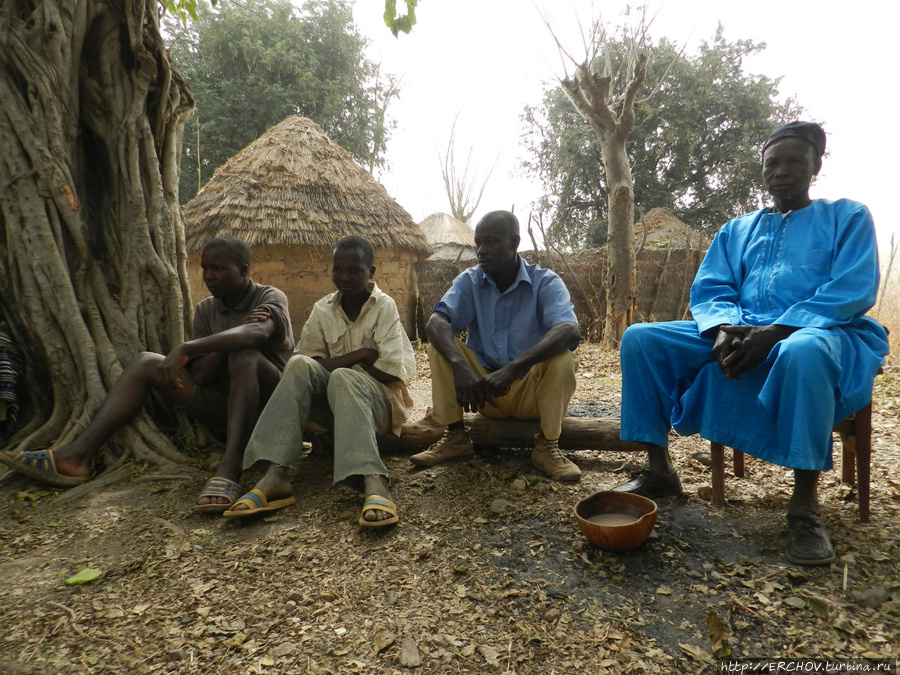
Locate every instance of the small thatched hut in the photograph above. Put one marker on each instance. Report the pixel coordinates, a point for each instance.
(291, 194)
(660, 228)
(450, 237)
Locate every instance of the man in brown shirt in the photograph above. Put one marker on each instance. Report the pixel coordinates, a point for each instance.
(223, 377)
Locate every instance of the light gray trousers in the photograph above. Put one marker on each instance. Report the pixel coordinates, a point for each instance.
(351, 403)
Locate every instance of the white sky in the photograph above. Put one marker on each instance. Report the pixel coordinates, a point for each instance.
(486, 59)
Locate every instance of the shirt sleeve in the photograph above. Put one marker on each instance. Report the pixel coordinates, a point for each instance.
(395, 354)
(715, 293)
(276, 302)
(555, 303)
(458, 303)
(312, 341)
(853, 284)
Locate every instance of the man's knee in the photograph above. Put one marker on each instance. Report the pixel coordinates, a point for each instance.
(242, 361)
(562, 365)
(638, 338)
(144, 364)
(805, 352)
(342, 382)
(299, 365)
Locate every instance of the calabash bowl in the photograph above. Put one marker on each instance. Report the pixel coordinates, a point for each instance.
(640, 511)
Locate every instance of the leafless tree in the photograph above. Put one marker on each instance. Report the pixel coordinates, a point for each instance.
(606, 100)
(464, 189)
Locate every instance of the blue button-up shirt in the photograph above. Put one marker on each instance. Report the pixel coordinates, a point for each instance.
(815, 267)
(503, 325)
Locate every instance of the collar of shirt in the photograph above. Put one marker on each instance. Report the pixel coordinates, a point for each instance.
(243, 306)
(335, 298)
(521, 277)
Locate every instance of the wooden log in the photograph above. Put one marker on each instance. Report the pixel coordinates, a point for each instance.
(578, 433)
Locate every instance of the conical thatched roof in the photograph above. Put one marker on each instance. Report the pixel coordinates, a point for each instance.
(442, 228)
(294, 186)
(661, 227)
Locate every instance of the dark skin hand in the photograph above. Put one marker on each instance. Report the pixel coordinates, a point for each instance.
(365, 356)
(742, 348)
(474, 392)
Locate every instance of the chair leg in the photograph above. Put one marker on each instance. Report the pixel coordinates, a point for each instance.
(717, 455)
(847, 432)
(738, 458)
(862, 423)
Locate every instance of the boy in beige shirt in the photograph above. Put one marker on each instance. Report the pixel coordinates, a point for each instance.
(350, 373)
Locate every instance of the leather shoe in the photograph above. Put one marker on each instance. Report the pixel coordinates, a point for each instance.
(651, 485)
(808, 542)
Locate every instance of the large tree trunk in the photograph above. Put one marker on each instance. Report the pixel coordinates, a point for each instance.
(612, 119)
(620, 278)
(93, 263)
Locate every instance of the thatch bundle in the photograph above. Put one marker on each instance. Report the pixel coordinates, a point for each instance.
(450, 237)
(660, 228)
(294, 186)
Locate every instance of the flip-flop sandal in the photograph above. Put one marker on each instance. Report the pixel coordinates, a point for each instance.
(40, 465)
(376, 503)
(257, 502)
(218, 487)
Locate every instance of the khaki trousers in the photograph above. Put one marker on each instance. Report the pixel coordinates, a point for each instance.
(351, 403)
(543, 394)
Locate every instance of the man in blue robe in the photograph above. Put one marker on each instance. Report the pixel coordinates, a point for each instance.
(779, 348)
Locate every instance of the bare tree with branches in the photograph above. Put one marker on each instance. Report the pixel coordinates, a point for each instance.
(592, 90)
(464, 189)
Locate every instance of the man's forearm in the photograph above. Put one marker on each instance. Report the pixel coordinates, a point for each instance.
(233, 339)
(558, 339)
(440, 335)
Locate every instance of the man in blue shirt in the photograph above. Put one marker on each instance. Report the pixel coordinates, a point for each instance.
(779, 348)
(517, 360)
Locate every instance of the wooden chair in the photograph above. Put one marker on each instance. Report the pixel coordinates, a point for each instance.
(855, 433)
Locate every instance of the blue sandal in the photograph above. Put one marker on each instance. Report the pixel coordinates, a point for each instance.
(219, 487)
(40, 465)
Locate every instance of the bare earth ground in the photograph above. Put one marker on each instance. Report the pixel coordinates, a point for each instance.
(464, 584)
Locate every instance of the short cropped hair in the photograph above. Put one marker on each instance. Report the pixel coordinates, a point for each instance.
(239, 250)
(505, 218)
(354, 243)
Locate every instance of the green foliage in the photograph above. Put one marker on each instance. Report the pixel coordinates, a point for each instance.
(252, 64)
(400, 23)
(181, 9)
(694, 149)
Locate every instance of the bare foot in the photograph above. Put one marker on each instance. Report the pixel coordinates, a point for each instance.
(274, 485)
(377, 485)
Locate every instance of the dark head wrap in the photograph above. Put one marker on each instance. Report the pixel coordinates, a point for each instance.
(810, 132)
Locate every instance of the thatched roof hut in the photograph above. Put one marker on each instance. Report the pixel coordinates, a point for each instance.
(450, 237)
(291, 194)
(660, 228)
